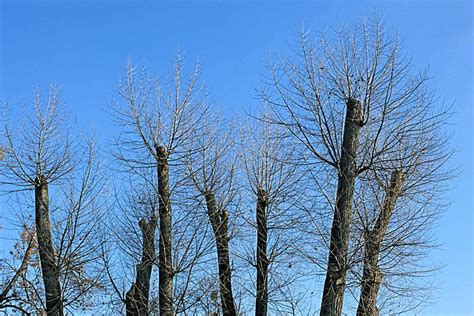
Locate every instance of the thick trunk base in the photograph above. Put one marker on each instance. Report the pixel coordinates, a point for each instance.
(334, 284)
(49, 268)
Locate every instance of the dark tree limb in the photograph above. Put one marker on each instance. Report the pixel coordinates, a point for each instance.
(219, 223)
(334, 285)
(49, 267)
(372, 276)
(165, 249)
(261, 303)
(137, 297)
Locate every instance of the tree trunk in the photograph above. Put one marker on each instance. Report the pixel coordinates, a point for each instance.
(219, 222)
(261, 303)
(372, 276)
(165, 254)
(334, 285)
(49, 267)
(136, 299)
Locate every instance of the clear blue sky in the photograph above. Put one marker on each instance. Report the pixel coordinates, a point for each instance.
(84, 46)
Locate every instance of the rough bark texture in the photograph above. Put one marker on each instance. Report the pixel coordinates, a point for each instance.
(334, 285)
(219, 222)
(165, 254)
(261, 303)
(372, 276)
(49, 267)
(136, 299)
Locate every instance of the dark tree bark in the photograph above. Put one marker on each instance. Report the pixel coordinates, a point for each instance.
(136, 299)
(49, 267)
(261, 303)
(165, 254)
(219, 222)
(372, 276)
(334, 285)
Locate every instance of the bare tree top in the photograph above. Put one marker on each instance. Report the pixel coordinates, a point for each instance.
(157, 115)
(37, 149)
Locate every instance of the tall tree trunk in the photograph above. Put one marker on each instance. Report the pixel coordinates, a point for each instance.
(372, 276)
(219, 222)
(136, 299)
(49, 267)
(334, 284)
(165, 254)
(261, 303)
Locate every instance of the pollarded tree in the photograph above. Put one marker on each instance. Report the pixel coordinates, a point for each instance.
(130, 254)
(38, 155)
(141, 206)
(35, 161)
(397, 204)
(158, 121)
(273, 179)
(335, 98)
(211, 167)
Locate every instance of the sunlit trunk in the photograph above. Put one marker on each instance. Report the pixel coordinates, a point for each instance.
(49, 266)
(372, 276)
(165, 251)
(138, 295)
(261, 303)
(219, 223)
(334, 285)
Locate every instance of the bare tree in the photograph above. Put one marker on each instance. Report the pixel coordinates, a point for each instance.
(371, 278)
(138, 202)
(136, 299)
(345, 169)
(155, 136)
(273, 180)
(37, 155)
(37, 165)
(397, 204)
(135, 203)
(212, 168)
(327, 98)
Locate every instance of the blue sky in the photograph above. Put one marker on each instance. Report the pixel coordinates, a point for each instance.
(84, 46)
